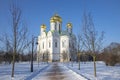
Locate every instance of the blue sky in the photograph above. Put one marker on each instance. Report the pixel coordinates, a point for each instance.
(106, 15)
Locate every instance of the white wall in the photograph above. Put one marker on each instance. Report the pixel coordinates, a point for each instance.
(52, 38)
(52, 26)
(66, 43)
(55, 24)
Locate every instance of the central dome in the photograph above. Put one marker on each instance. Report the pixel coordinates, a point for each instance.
(56, 18)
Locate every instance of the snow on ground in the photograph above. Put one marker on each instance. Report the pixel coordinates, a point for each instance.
(103, 72)
(22, 70)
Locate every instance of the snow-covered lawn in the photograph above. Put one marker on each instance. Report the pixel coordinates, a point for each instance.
(22, 70)
(103, 72)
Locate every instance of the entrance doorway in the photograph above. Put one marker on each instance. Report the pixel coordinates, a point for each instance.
(56, 57)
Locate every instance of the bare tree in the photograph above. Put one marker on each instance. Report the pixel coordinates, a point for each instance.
(16, 15)
(79, 47)
(1, 56)
(73, 49)
(65, 56)
(7, 48)
(19, 40)
(46, 56)
(5, 40)
(92, 41)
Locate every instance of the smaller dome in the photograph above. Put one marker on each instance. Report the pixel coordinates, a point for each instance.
(69, 25)
(55, 18)
(43, 26)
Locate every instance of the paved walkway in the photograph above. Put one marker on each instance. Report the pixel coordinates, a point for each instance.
(57, 71)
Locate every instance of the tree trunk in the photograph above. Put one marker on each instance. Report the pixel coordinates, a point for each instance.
(79, 64)
(13, 65)
(79, 61)
(94, 59)
(14, 53)
(32, 54)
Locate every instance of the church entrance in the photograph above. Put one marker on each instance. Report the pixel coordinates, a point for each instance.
(56, 57)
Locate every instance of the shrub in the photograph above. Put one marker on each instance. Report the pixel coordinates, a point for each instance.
(110, 59)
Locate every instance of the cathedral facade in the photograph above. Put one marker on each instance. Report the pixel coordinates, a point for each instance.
(55, 44)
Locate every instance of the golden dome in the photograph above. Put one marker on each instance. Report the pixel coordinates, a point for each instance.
(69, 25)
(56, 18)
(43, 26)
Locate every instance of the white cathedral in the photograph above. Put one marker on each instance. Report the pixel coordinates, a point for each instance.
(55, 44)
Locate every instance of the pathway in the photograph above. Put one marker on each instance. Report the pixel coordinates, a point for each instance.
(57, 71)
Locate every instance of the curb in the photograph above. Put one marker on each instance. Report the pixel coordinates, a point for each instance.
(36, 73)
(77, 73)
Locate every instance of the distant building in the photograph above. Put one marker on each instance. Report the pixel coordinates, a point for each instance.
(55, 44)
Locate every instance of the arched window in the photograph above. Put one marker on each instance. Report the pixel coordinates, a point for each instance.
(63, 45)
(49, 44)
(56, 44)
(55, 26)
(59, 28)
(69, 45)
(43, 45)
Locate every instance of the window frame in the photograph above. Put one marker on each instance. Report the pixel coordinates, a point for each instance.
(49, 44)
(55, 44)
(43, 45)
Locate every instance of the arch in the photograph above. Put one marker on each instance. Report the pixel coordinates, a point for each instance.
(43, 45)
(63, 43)
(49, 43)
(49, 33)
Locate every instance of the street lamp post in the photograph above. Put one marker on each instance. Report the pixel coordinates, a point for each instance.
(32, 53)
(38, 56)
